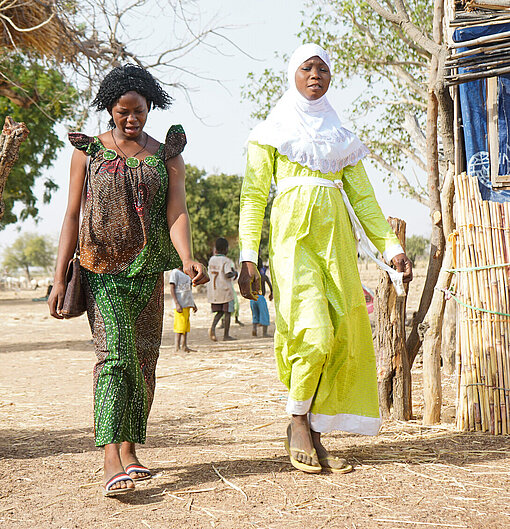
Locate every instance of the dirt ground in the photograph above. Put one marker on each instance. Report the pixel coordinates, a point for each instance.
(215, 443)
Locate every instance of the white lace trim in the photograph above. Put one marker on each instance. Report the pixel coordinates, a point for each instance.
(317, 163)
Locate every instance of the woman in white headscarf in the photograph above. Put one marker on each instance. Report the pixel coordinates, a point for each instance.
(323, 340)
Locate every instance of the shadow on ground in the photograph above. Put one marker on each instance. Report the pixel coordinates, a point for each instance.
(23, 347)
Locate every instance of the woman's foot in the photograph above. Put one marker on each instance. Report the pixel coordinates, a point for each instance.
(300, 447)
(113, 467)
(299, 438)
(326, 460)
(128, 457)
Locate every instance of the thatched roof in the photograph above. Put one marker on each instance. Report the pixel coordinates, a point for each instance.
(35, 25)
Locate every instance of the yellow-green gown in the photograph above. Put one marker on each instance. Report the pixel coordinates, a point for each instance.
(323, 340)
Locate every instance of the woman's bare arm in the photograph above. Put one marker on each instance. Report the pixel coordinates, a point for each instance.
(178, 220)
(69, 233)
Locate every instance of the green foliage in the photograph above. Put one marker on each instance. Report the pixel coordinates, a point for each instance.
(263, 92)
(416, 246)
(213, 206)
(29, 250)
(393, 70)
(51, 100)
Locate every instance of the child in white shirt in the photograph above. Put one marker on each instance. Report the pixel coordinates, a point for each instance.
(182, 297)
(219, 289)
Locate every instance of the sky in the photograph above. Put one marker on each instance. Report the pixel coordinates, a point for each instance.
(219, 123)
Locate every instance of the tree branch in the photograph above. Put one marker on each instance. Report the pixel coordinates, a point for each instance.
(414, 130)
(410, 154)
(14, 97)
(404, 182)
(401, 18)
(410, 81)
(418, 49)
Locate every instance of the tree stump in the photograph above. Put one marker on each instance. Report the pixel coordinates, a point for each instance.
(13, 135)
(393, 367)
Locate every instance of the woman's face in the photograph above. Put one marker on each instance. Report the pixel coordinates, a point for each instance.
(312, 78)
(129, 114)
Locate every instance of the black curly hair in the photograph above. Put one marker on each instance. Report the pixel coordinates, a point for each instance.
(127, 78)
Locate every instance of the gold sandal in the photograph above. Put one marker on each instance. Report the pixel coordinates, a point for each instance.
(344, 469)
(310, 469)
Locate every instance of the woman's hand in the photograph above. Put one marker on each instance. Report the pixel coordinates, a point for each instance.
(249, 281)
(196, 271)
(56, 300)
(403, 264)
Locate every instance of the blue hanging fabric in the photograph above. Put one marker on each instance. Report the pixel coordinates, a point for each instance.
(474, 119)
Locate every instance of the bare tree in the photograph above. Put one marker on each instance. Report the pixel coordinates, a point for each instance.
(84, 40)
(54, 53)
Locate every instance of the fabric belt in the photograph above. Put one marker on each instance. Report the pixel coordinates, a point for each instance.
(364, 245)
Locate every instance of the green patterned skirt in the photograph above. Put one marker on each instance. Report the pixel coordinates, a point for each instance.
(126, 320)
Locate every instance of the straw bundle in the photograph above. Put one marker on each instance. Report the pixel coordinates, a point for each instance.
(34, 25)
(483, 341)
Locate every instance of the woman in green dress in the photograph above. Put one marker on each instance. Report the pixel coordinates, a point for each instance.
(130, 189)
(323, 340)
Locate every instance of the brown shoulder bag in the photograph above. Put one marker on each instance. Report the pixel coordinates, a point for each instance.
(74, 300)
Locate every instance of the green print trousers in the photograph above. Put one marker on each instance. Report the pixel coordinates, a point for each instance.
(126, 320)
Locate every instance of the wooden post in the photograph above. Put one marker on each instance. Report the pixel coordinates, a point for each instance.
(13, 135)
(393, 366)
(448, 346)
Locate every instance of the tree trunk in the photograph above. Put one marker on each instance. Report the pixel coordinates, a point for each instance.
(13, 135)
(27, 273)
(437, 240)
(393, 369)
(439, 100)
(432, 336)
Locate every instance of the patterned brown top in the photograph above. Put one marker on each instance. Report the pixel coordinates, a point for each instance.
(124, 228)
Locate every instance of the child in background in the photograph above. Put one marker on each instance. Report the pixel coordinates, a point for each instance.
(220, 293)
(259, 311)
(180, 289)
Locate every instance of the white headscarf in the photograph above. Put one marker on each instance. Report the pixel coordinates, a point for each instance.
(309, 132)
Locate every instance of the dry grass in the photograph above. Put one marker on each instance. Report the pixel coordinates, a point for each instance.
(216, 445)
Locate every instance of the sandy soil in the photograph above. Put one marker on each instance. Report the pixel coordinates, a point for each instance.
(219, 411)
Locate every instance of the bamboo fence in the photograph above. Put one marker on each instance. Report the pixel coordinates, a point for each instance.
(482, 271)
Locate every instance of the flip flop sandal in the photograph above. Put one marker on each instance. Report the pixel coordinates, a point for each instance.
(134, 468)
(121, 476)
(344, 469)
(310, 469)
